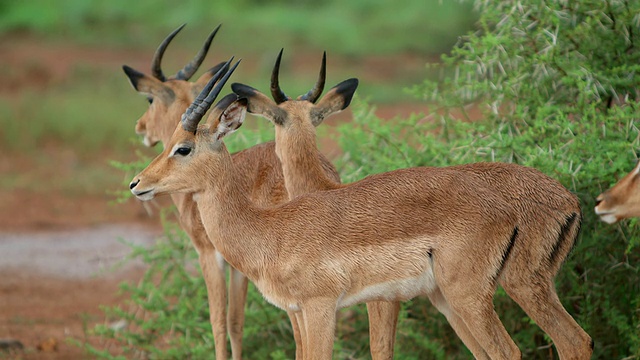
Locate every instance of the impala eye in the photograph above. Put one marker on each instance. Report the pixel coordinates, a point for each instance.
(183, 151)
(150, 100)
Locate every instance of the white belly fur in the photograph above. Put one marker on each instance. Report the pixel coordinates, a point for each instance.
(396, 290)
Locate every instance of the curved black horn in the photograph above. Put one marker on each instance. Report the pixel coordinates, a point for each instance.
(188, 70)
(156, 68)
(316, 90)
(278, 95)
(207, 96)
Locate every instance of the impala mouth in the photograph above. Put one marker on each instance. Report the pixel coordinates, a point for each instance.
(145, 195)
(148, 142)
(607, 216)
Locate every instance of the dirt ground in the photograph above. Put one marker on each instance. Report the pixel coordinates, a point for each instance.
(56, 266)
(56, 251)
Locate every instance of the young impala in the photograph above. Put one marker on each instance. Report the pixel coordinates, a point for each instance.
(622, 201)
(547, 215)
(261, 177)
(389, 237)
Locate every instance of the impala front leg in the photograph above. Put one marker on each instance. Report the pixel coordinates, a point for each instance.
(319, 325)
(297, 326)
(383, 319)
(235, 318)
(214, 277)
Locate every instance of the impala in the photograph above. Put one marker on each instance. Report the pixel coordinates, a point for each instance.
(388, 237)
(383, 316)
(622, 201)
(261, 177)
(547, 215)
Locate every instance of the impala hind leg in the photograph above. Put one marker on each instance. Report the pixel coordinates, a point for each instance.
(214, 277)
(468, 287)
(438, 300)
(319, 328)
(235, 317)
(383, 320)
(538, 298)
(481, 319)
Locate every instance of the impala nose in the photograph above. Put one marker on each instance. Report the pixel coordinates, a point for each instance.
(599, 199)
(133, 184)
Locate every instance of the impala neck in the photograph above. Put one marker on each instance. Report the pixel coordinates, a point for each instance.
(233, 223)
(302, 168)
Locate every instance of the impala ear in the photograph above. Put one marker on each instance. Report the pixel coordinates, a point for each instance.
(335, 100)
(230, 118)
(148, 85)
(218, 109)
(259, 103)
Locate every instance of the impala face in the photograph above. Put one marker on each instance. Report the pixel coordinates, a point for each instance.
(167, 100)
(622, 201)
(191, 149)
(167, 172)
(168, 96)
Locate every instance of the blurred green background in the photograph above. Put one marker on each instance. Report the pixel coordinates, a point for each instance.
(64, 93)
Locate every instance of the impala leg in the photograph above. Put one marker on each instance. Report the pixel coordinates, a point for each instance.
(319, 326)
(383, 320)
(235, 317)
(438, 300)
(297, 325)
(214, 278)
(469, 291)
(538, 298)
(478, 314)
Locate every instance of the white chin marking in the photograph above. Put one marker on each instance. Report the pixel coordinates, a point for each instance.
(609, 218)
(147, 142)
(146, 196)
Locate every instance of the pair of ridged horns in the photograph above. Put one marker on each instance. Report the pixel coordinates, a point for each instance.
(194, 113)
(279, 96)
(188, 70)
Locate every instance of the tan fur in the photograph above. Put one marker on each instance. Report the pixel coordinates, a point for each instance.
(261, 177)
(622, 200)
(547, 216)
(441, 232)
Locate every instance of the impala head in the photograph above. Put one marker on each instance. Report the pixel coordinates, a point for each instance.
(181, 167)
(168, 96)
(296, 119)
(622, 201)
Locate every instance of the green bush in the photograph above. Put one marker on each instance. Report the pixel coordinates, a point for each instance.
(553, 83)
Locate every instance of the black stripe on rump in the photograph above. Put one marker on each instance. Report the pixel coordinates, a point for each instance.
(506, 253)
(563, 238)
